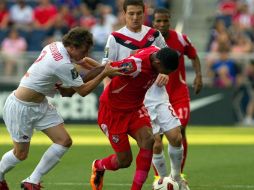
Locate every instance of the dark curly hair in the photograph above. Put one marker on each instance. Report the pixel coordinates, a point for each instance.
(78, 37)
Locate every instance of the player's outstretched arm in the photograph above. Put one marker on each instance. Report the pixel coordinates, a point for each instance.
(88, 63)
(87, 87)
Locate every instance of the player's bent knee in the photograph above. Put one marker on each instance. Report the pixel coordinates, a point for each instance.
(157, 148)
(21, 155)
(149, 142)
(125, 164)
(67, 142)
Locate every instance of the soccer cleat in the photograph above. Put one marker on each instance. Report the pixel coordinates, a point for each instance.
(3, 185)
(182, 183)
(96, 179)
(30, 186)
(156, 178)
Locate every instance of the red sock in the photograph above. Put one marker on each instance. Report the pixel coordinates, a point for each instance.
(143, 164)
(108, 163)
(185, 148)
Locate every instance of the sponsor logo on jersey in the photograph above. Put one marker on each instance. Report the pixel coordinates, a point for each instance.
(127, 42)
(74, 73)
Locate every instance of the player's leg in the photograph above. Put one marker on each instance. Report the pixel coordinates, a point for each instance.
(10, 159)
(61, 143)
(121, 159)
(170, 125)
(145, 141)
(183, 112)
(159, 161)
(20, 130)
(50, 123)
(141, 130)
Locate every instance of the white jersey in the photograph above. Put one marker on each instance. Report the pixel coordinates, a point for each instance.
(121, 43)
(53, 66)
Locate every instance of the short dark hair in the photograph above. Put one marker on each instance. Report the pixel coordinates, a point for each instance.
(169, 58)
(161, 10)
(133, 2)
(78, 37)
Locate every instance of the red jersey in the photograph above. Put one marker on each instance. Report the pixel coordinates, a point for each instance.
(177, 87)
(128, 92)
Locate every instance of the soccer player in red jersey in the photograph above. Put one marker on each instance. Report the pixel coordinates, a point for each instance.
(122, 113)
(177, 88)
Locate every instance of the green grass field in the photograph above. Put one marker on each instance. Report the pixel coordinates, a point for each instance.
(220, 158)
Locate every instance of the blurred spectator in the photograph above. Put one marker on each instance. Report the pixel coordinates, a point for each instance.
(66, 15)
(12, 48)
(101, 30)
(106, 11)
(56, 32)
(242, 45)
(44, 15)
(224, 70)
(21, 15)
(87, 19)
(120, 21)
(4, 15)
(218, 31)
(244, 18)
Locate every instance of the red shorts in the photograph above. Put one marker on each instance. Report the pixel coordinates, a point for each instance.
(118, 124)
(182, 110)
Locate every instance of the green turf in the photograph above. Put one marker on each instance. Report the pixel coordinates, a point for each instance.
(209, 167)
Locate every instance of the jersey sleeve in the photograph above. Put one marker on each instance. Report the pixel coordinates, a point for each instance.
(133, 65)
(160, 42)
(110, 50)
(68, 75)
(189, 49)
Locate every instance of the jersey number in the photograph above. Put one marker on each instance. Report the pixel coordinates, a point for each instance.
(43, 53)
(183, 113)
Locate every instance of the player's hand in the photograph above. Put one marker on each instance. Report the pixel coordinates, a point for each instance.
(197, 83)
(162, 80)
(112, 71)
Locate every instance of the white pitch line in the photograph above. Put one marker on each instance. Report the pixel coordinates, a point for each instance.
(147, 185)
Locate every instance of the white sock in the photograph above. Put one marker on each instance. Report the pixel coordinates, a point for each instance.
(159, 163)
(9, 161)
(176, 156)
(49, 159)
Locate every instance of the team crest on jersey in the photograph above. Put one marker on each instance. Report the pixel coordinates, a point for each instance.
(115, 138)
(74, 73)
(127, 67)
(150, 38)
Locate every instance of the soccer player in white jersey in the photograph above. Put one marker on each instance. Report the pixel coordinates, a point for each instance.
(120, 45)
(27, 107)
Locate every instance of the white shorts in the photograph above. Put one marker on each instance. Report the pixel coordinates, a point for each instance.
(163, 118)
(21, 118)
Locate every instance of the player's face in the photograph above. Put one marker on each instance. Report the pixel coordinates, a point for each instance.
(161, 22)
(134, 16)
(78, 53)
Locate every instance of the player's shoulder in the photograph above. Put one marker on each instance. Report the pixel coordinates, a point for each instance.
(58, 53)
